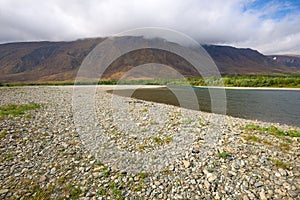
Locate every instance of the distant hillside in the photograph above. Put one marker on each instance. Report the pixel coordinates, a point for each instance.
(291, 61)
(43, 61)
(232, 60)
(60, 61)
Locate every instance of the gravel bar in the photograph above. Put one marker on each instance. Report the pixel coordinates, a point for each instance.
(140, 150)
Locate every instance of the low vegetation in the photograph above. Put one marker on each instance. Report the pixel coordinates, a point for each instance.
(223, 154)
(281, 80)
(281, 164)
(15, 110)
(273, 130)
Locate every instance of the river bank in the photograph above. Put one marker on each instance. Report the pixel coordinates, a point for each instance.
(43, 154)
(248, 88)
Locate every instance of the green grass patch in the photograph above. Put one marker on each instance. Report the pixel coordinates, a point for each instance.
(273, 130)
(15, 110)
(281, 164)
(3, 134)
(106, 171)
(73, 191)
(102, 191)
(253, 138)
(142, 175)
(115, 191)
(223, 154)
(162, 140)
(40, 193)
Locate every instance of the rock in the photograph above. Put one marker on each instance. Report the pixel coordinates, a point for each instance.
(277, 174)
(3, 191)
(211, 177)
(53, 170)
(286, 185)
(207, 184)
(258, 184)
(282, 172)
(195, 151)
(171, 167)
(157, 183)
(42, 179)
(245, 197)
(293, 194)
(186, 163)
(217, 196)
(262, 195)
(90, 194)
(148, 192)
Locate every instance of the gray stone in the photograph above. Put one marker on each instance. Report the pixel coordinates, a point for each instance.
(258, 184)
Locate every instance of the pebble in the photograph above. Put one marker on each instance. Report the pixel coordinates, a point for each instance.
(293, 194)
(3, 191)
(258, 184)
(211, 177)
(206, 184)
(42, 179)
(262, 195)
(186, 163)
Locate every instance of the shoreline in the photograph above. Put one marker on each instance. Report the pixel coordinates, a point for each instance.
(158, 86)
(247, 88)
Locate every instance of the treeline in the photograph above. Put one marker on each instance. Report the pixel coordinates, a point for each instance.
(289, 80)
(292, 81)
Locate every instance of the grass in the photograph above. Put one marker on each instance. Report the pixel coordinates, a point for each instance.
(3, 134)
(40, 193)
(223, 154)
(253, 138)
(281, 164)
(165, 140)
(15, 110)
(284, 146)
(142, 175)
(72, 191)
(273, 130)
(106, 171)
(115, 191)
(102, 191)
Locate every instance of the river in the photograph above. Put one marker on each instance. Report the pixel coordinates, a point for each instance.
(278, 106)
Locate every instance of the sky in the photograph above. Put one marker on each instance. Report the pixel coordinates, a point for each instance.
(269, 26)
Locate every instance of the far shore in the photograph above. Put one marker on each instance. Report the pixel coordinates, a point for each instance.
(160, 86)
(248, 88)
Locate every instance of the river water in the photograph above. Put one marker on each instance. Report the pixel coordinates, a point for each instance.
(279, 106)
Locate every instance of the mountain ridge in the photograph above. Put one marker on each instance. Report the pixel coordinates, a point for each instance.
(59, 61)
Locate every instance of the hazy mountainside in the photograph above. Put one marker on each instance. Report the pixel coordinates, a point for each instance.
(43, 61)
(292, 61)
(232, 60)
(60, 61)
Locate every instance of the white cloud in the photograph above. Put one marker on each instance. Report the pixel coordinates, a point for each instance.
(214, 21)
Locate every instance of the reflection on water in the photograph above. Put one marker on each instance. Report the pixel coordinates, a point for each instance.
(280, 106)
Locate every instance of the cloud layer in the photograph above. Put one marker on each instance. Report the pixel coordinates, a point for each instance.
(270, 28)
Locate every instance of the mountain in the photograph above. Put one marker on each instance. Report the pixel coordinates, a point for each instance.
(292, 61)
(43, 61)
(232, 60)
(60, 61)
